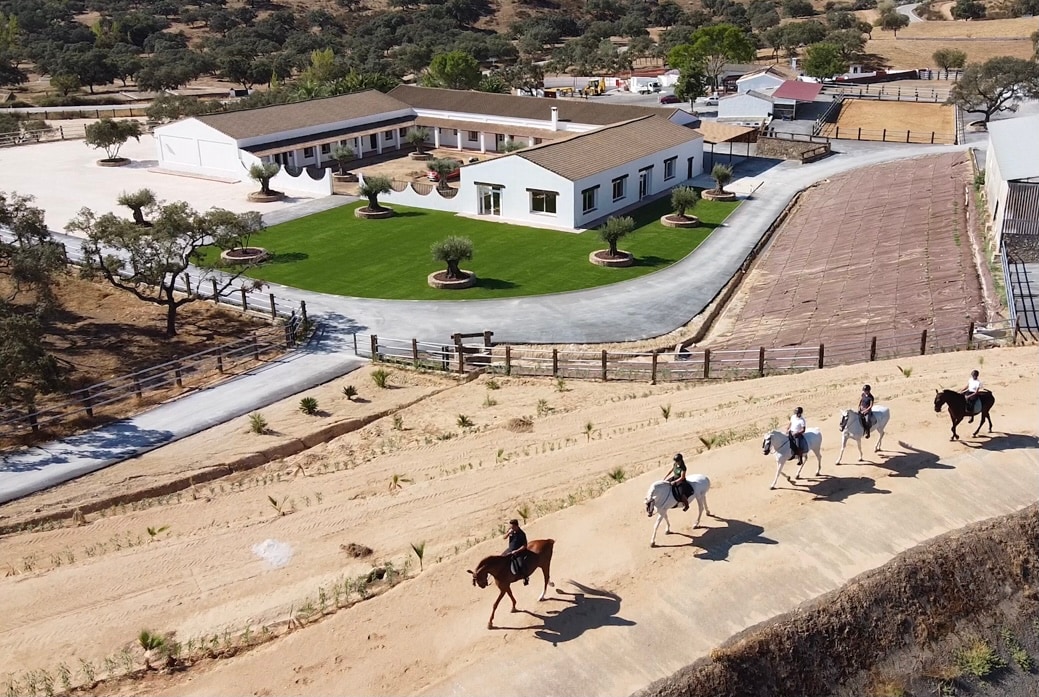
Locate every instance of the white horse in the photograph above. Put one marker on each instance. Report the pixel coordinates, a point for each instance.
(851, 427)
(778, 443)
(661, 498)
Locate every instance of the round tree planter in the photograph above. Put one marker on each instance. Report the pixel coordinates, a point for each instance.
(347, 178)
(715, 195)
(977, 126)
(244, 255)
(439, 279)
(363, 212)
(601, 257)
(420, 156)
(672, 220)
(260, 197)
(117, 162)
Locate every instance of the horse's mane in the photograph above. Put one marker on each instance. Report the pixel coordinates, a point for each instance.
(485, 561)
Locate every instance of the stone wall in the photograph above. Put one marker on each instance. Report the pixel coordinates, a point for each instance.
(784, 149)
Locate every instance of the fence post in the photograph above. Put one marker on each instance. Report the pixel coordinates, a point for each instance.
(822, 354)
(761, 361)
(907, 135)
(303, 310)
(923, 342)
(414, 352)
(555, 362)
(883, 136)
(219, 359)
(216, 293)
(873, 349)
(653, 369)
(137, 387)
(178, 378)
(487, 338)
(706, 363)
(375, 348)
(932, 137)
(970, 334)
(61, 132)
(274, 307)
(245, 302)
(34, 423)
(508, 360)
(187, 282)
(256, 347)
(87, 403)
(461, 356)
(604, 365)
(1017, 326)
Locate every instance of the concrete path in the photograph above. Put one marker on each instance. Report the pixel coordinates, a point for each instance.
(910, 12)
(638, 309)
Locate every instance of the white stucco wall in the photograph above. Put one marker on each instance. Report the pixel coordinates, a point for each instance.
(516, 175)
(605, 205)
(996, 190)
(189, 145)
(410, 197)
(743, 106)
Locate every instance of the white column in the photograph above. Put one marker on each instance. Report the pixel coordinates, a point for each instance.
(483, 142)
(360, 147)
(378, 142)
(297, 158)
(436, 137)
(531, 143)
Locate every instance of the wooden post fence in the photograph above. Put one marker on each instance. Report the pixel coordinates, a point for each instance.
(216, 292)
(87, 403)
(414, 352)
(706, 363)
(375, 348)
(220, 359)
(555, 362)
(178, 378)
(245, 301)
(761, 361)
(274, 307)
(303, 310)
(822, 353)
(923, 342)
(604, 365)
(187, 282)
(653, 368)
(873, 349)
(137, 387)
(970, 334)
(508, 360)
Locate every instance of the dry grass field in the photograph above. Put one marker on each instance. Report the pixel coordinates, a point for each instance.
(916, 53)
(896, 118)
(1020, 28)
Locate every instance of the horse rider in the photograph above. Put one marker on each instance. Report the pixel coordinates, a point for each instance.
(796, 433)
(676, 478)
(866, 409)
(517, 548)
(971, 393)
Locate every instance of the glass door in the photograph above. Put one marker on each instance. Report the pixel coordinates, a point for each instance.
(644, 183)
(490, 199)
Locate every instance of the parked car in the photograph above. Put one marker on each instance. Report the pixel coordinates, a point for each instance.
(669, 99)
(453, 174)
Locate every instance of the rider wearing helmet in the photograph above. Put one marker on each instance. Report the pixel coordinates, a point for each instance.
(678, 482)
(971, 393)
(866, 408)
(796, 433)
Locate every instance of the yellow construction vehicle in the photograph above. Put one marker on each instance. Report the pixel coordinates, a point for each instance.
(595, 88)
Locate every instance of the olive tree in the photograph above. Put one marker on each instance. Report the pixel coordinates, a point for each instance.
(417, 137)
(443, 167)
(613, 230)
(110, 135)
(453, 251)
(147, 261)
(722, 175)
(343, 155)
(683, 198)
(137, 202)
(372, 187)
(263, 172)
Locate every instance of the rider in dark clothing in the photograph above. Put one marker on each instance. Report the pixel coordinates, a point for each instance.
(866, 408)
(678, 481)
(517, 548)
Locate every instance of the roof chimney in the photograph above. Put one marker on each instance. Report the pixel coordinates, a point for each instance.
(555, 118)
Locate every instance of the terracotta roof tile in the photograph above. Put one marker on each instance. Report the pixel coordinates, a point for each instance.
(269, 120)
(591, 153)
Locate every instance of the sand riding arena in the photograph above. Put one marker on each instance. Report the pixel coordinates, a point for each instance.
(894, 122)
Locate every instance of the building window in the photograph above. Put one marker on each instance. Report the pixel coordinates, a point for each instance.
(588, 199)
(388, 135)
(669, 168)
(543, 202)
(403, 132)
(537, 141)
(620, 186)
(326, 149)
(456, 132)
(474, 135)
(373, 140)
(308, 153)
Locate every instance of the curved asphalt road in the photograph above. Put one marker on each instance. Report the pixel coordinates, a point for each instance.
(646, 307)
(910, 12)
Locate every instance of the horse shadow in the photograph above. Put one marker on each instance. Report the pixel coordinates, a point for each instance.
(1005, 441)
(586, 609)
(837, 489)
(909, 464)
(716, 542)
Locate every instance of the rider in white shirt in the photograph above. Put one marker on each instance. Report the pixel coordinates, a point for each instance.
(796, 432)
(971, 393)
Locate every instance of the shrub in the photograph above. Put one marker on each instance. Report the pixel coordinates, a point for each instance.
(464, 421)
(308, 405)
(381, 378)
(257, 423)
(979, 659)
(350, 392)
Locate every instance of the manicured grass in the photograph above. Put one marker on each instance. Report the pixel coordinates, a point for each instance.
(334, 252)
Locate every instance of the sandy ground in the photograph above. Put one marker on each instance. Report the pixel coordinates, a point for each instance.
(876, 117)
(82, 593)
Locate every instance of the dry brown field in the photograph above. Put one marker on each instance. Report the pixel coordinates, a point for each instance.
(896, 118)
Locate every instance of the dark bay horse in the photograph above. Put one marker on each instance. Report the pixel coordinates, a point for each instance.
(957, 404)
(500, 568)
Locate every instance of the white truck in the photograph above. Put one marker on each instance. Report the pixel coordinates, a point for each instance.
(644, 85)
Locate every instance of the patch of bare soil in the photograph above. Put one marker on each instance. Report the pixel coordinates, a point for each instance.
(99, 333)
(901, 629)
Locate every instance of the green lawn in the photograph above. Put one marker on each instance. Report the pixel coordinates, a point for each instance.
(334, 252)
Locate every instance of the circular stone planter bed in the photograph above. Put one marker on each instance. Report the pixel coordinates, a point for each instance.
(715, 195)
(686, 221)
(367, 214)
(439, 279)
(117, 162)
(349, 177)
(244, 255)
(601, 257)
(421, 156)
(260, 197)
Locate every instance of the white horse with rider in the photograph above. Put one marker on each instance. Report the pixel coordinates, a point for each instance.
(851, 427)
(661, 498)
(778, 443)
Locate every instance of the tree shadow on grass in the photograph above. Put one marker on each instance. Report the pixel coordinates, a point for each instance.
(494, 284)
(286, 257)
